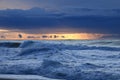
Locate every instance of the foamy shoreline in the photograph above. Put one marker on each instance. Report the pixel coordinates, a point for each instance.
(22, 77)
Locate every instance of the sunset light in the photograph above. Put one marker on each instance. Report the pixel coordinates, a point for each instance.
(59, 39)
(7, 34)
(3, 30)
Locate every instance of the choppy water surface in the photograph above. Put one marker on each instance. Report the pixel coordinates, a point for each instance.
(68, 60)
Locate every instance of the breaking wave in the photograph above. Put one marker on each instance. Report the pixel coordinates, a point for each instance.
(61, 61)
(32, 44)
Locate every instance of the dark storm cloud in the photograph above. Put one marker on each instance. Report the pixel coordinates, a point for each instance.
(37, 18)
(96, 16)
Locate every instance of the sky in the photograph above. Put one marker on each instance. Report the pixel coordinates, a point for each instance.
(61, 16)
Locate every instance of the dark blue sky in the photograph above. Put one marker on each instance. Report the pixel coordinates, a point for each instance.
(90, 16)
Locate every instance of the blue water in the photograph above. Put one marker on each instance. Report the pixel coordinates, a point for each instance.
(69, 60)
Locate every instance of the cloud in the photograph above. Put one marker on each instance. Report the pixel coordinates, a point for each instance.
(60, 4)
(39, 19)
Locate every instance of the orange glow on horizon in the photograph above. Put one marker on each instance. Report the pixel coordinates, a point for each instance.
(10, 35)
(76, 36)
(3, 30)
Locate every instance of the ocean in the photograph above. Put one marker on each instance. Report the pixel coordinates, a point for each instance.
(60, 60)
